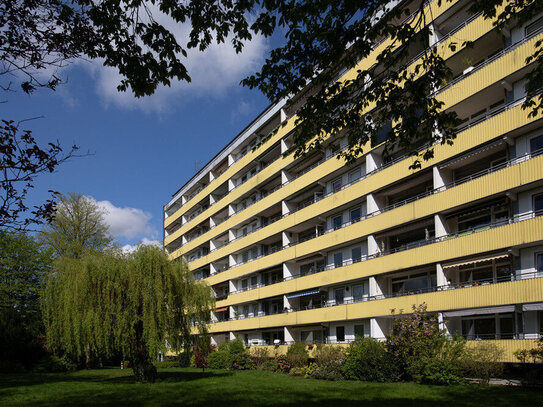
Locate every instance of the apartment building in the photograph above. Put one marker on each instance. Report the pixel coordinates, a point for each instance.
(310, 249)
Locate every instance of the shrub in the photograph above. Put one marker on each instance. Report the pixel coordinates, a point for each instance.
(241, 361)
(297, 354)
(530, 355)
(283, 364)
(236, 346)
(332, 370)
(200, 360)
(269, 365)
(441, 371)
(368, 360)
(297, 371)
(219, 360)
(260, 356)
(309, 370)
(183, 359)
(414, 340)
(327, 353)
(54, 364)
(482, 360)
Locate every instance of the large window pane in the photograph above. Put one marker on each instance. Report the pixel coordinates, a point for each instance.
(339, 295)
(338, 259)
(340, 334)
(536, 143)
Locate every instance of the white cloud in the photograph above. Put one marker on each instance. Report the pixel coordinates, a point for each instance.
(129, 223)
(213, 72)
(129, 248)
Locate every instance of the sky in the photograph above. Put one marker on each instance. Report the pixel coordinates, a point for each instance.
(140, 151)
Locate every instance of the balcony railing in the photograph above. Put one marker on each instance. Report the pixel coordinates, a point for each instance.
(490, 60)
(421, 148)
(413, 245)
(347, 301)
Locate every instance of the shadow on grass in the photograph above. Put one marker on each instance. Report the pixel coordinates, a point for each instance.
(175, 387)
(114, 376)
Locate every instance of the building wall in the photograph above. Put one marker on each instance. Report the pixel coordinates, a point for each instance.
(253, 211)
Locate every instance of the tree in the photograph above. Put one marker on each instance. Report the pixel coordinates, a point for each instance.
(322, 38)
(422, 350)
(138, 304)
(22, 160)
(23, 266)
(76, 227)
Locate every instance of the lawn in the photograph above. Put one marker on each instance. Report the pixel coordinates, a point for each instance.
(189, 387)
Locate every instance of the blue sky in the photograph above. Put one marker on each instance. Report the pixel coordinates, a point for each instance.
(142, 150)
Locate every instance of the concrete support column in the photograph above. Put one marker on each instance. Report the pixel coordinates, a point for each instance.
(231, 260)
(442, 324)
(284, 115)
(212, 245)
(231, 286)
(286, 177)
(286, 302)
(373, 245)
(231, 235)
(231, 160)
(231, 335)
(231, 210)
(374, 161)
(376, 331)
(440, 276)
(374, 287)
(231, 184)
(442, 178)
(289, 335)
(183, 200)
(288, 238)
(284, 146)
(290, 270)
(441, 226)
(286, 207)
(212, 269)
(373, 204)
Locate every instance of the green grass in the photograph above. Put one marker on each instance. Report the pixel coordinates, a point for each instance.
(189, 387)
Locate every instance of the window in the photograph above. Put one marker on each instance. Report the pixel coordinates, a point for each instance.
(340, 333)
(534, 27)
(253, 281)
(359, 330)
(337, 221)
(413, 283)
(245, 257)
(356, 254)
(536, 143)
(539, 262)
(336, 186)
(355, 215)
(339, 294)
(359, 292)
(244, 284)
(355, 175)
(538, 204)
(254, 253)
(338, 259)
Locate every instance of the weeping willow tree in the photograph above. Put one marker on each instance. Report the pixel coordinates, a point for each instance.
(138, 304)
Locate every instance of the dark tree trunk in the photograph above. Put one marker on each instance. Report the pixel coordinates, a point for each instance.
(144, 370)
